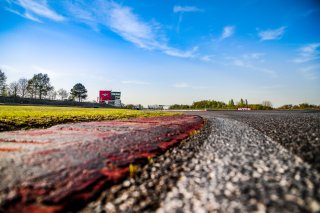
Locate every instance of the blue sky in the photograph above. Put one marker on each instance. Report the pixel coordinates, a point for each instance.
(165, 52)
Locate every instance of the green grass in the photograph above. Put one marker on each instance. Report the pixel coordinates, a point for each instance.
(26, 117)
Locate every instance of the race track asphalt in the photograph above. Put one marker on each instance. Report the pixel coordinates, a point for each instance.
(297, 131)
(240, 162)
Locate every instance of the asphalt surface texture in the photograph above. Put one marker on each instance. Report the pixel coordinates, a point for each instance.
(239, 162)
(297, 131)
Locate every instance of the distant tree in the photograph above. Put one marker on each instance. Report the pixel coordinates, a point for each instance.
(257, 107)
(180, 106)
(286, 106)
(267, 104)
(63, 93)
(14, 89)
(52, 94)
(212, 104)
(231, 103)
(71, 98)
(306, 106)
(3, 84)
(241, 103)
(23, 85)
(79, 91)
(32, 88)
(41, 84)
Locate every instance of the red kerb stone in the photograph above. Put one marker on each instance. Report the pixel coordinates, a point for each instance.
(49, 170)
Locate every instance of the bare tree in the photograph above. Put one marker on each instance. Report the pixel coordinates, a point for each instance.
(267, 103)
(63, 93)
(52, 94)
(14, 89)
(3, 84)
(23, 85)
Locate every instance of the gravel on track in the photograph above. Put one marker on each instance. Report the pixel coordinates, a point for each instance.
(229, 167)
(298, 131)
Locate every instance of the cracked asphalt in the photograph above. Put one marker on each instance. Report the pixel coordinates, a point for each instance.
(240, 162)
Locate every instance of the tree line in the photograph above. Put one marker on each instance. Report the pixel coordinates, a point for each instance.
(39, 87)
(212, 104)
(299, 106)
(243, 103)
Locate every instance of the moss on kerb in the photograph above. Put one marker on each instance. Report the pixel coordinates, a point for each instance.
(26, 117)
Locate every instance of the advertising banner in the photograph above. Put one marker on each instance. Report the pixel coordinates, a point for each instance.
(105, 95)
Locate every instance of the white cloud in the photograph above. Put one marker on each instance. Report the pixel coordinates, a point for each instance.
(228, 31)
(253, 55)
(118, 18)
(128, 25)
(240, 63)
(308, 52)
(267, 71)
(79, 10)
(310, 12)
(135, 82)
(36, 8)
(24, 15)
(5, 67)
(310, 73)
(41, 69)
(183, 9)
(199, 87)
(249, 61)
(49, 72)
(207, 58)
(181, 85)
(186, 85)
(181, 54)
(144, 35)
(34, 69)
(272, 34)
(272, 87)
(31, 17)
(123, 21)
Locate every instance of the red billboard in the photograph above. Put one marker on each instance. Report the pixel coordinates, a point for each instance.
(105, 95)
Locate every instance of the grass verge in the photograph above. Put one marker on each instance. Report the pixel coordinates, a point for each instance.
(26, 117)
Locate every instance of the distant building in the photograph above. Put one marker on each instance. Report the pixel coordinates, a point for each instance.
(110, 97)
(115, 95)
(116, 103)
(244, 109)
(104, 95)
(158, 107)
(155, 107)
(138, 107)
(166, 107)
